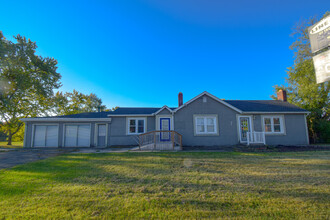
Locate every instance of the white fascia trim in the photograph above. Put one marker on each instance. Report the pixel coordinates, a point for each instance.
(164, 107)
(211, 96)
(247, 113)
(65, 119)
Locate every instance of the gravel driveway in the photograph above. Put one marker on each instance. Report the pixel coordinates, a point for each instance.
(16, 157)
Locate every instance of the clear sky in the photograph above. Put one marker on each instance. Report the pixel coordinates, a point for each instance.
(144, 52)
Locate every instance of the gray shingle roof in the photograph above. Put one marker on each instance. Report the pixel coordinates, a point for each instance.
(134, 111)
(119, 111)
(243, 105)
(264, 106)
(83, 115)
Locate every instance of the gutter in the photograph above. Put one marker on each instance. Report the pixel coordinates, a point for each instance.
(141, 115)
(305, 112)
(66, 119)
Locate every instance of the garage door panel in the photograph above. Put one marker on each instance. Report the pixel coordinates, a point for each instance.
(45, 136)
(84, 136)
(39, 136)
(77, 135)
(52, 136)
(70, 135)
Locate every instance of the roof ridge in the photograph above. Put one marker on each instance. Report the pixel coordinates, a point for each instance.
(251, 100)
(139, 107)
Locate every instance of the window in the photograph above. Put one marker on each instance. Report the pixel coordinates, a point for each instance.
(205, 125)
(136, 125)
(273, 124)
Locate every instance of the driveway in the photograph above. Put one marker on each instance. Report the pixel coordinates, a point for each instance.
(21, 156)
(13, 157)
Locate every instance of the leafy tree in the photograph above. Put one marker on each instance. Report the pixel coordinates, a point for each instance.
(27, 82)
(302, 88)
(76, 102)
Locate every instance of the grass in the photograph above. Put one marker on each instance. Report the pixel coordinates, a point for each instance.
(3, 144)
(170, 185)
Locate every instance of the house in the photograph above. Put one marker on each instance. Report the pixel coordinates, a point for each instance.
(204, 120)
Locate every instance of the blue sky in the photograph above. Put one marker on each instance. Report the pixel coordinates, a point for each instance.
(144, 52)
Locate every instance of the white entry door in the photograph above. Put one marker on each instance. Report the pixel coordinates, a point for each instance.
(165, 125)
(244, 127)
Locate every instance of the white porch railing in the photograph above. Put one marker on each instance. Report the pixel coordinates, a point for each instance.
(256, 138)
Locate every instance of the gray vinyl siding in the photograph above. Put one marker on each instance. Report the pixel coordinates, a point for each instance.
(295, 130)
(28, 135)
(118, 131)
(164, 112)
(295, 127)
(183, 123)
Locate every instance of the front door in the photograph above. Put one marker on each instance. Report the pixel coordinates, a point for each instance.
(244, 127)
(165, 125)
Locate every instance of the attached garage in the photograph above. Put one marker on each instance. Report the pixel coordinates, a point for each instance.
(45, 136)
(77, 135)
(67, 131)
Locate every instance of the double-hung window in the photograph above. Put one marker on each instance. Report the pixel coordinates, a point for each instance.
(205, 125)
(273, 124)
(136, 125)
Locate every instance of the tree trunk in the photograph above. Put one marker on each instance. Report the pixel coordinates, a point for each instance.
(9, 138)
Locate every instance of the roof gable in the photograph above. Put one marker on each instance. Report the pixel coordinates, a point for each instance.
(211, 96)
(165, 107)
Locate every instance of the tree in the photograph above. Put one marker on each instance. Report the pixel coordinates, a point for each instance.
(27, 82)
(302, 88)
(76, 102)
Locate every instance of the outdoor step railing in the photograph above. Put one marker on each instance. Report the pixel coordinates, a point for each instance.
(256, 138)
(160, 140)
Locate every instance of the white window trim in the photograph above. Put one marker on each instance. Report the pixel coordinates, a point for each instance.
(282, 124)
(48, 124)
(216, 125)
(77, 124)
(136, 125)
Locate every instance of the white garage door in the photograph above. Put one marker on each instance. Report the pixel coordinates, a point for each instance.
(45, 136)
(77, 135)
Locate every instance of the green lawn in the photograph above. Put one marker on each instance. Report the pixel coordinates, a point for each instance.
(3, 144)
(170, 185)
